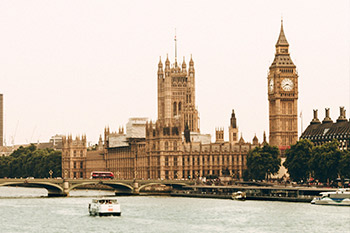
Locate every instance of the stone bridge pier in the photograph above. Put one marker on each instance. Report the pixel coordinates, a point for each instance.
(136, 189)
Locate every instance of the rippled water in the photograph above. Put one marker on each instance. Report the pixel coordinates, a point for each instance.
(163, 214)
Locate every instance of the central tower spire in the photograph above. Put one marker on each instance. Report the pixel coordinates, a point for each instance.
(282, 41)
(175, 48)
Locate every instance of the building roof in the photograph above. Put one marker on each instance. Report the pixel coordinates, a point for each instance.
(282, 40)
(328, 130)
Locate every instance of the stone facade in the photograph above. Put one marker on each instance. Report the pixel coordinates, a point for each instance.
(74, 157)
(283, 96)
(170, 148)
(176, 94)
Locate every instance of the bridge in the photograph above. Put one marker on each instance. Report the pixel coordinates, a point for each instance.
(62, 187)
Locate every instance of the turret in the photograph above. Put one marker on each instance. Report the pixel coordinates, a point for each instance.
(184, 65)
(167, 63)
(219, 135)
(241, 140)
(255, 140)
(264, 138)
(233, 130)
(233, 123)
(160, 67)
(191, 65)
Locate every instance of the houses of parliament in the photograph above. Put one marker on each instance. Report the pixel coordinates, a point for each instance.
(173, 147)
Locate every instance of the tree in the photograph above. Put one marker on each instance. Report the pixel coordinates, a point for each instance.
(325, 161)
(30, 161)
(263, 162)
(344, 165)
(298, 160)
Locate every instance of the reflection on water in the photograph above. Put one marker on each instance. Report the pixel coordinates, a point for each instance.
(17, 192)
(30, 213)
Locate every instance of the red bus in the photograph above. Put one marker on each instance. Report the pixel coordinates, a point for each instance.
(102, 175)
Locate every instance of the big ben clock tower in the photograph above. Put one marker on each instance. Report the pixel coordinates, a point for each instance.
(283, 96)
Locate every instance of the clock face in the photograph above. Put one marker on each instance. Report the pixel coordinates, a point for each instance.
(287, 84)
(271, 85)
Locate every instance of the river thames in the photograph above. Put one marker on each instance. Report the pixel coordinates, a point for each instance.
(26, 210)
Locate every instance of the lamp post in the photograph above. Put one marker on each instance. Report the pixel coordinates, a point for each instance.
(50, 172)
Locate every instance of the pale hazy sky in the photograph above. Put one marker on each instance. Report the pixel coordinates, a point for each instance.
(74, 67)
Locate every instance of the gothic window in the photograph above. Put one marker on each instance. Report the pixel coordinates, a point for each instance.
(179, 107)
(81, 164)
(166, 146)
(166, 161)
(81, 153)
(75, 165)
(81, 175)
(175, 161)
(189, 98)
(74, 153)
(289, 108)
(174, 109)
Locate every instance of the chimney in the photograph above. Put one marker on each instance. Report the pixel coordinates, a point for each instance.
(327, 119)
(342, 116)
(315, 120)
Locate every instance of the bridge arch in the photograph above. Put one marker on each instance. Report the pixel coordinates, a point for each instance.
(52, 188)
(167, 184)
(114, 185)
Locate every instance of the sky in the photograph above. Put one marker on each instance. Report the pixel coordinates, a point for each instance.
(75, 67)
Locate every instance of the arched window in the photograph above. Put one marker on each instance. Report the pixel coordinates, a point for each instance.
(174, 109)
(179, 107)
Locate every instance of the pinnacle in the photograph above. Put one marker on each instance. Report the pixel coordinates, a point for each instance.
(282, 38)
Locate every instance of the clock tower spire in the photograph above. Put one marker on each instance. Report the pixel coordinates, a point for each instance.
(283, 96)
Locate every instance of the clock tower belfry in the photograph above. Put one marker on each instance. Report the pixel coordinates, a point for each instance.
(282, 84)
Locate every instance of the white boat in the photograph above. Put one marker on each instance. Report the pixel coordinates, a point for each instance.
(340, 197)
(104, 207)
(239, 196)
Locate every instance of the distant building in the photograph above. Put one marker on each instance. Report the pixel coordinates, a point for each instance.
(170, 148)
(54, 143)
(327, 130)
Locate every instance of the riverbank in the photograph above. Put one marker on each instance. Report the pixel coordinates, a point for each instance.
(271, 193)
